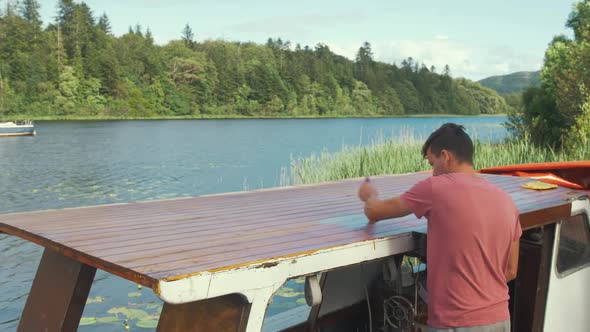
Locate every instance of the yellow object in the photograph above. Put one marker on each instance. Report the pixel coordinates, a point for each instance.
(539, 185)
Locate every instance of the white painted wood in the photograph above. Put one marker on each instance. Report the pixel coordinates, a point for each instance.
(568, 297)
(313, 291)
(260, 300)
(246, 280)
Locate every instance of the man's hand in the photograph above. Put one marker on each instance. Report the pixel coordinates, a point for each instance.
(367, 191)
(376, 209)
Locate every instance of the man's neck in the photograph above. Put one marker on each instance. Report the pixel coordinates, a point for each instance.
(464, 168)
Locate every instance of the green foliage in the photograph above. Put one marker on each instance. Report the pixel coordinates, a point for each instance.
(555, 114)
(513, 100)
(77, 68)
(578, 137)
(403, 155)
(484, 101)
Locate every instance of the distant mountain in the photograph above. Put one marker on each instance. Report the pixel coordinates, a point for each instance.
(512, 83)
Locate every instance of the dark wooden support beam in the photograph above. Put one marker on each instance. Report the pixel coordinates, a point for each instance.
(225, 313)
(549, 215)
(58, 295)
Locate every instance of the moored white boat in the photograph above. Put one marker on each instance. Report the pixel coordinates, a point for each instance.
(17, 128)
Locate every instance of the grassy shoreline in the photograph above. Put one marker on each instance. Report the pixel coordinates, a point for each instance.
(227, 117)
(404, 156)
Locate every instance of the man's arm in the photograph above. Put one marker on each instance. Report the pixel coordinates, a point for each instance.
(512, 267)
(377, 209)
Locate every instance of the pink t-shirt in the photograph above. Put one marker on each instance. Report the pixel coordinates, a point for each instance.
(471, 226)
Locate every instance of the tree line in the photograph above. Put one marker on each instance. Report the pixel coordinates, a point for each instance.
(75, 66)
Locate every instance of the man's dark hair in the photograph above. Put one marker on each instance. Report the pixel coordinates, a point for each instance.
(453, 138)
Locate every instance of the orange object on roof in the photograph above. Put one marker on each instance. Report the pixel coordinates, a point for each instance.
(549, 178)
(572, 174)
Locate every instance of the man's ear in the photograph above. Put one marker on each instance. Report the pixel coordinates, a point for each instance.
(446, 155)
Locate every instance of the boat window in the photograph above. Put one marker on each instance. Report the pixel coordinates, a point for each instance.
(574, 245)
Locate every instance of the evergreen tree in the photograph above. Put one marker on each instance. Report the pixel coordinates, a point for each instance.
(66, 20)
(30, 12)
(104, 24)
(188, 36)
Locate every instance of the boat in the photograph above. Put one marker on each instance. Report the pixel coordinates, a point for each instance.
(216, 261)
(17, 128)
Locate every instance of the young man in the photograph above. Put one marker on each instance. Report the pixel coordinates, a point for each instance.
(473, 232)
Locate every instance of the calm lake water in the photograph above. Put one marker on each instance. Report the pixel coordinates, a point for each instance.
(72, 164)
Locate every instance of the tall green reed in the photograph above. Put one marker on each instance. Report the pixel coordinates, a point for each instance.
(403, 155)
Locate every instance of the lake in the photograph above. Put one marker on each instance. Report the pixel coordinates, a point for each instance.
(74, 163)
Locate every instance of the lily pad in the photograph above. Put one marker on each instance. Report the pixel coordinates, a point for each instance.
(288, 294)
(301, 301)
(98, 299)
(134, 294)
(107, 319)
(153, 305)
(130, 314)
(147, 323)
(87, 321)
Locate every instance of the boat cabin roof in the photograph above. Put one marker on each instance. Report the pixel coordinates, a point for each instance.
(167, 240)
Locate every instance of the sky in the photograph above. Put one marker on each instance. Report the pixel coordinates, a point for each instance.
(476, 38)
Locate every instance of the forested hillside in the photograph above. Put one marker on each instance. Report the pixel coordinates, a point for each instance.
(75, 66)
(513, 83)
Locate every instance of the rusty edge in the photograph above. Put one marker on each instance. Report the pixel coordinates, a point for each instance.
(274, 261)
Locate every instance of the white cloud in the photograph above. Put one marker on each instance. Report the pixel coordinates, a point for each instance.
(441, 37)
(471, 62)
(436, 53)
(502, 67)
(301, 26)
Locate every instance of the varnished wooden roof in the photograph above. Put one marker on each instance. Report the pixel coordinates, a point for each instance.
(162, 240)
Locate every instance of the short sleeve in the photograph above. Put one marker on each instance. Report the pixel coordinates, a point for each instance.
(419, 198)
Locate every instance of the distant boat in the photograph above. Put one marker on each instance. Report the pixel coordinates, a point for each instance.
(17, 128)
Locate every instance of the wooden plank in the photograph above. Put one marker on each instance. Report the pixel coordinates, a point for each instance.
(82, 257)
(283, 198)
(118, 235)
(304, 237)
(194, 233)
(72, 216)
(259, 231)
(219, 219)
(233, 260)
(58, 295)
(242, 209)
